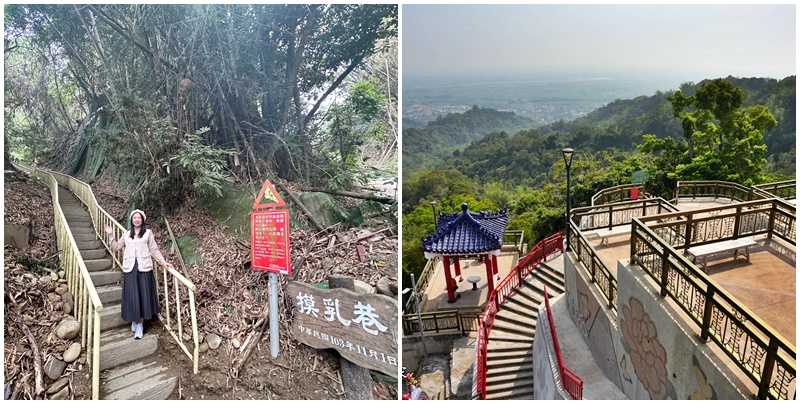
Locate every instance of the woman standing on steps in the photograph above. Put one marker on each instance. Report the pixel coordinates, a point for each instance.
(139, 293)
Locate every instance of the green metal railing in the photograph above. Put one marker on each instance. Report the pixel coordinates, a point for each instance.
(759, 351)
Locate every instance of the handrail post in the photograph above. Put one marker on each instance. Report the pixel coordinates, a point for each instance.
(664, 271)
(737, 222)
(769, 364)
(771, 225)
(707, 310)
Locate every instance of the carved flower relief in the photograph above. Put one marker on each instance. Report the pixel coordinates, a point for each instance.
(647, 355)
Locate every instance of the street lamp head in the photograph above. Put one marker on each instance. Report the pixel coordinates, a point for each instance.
(568, 152)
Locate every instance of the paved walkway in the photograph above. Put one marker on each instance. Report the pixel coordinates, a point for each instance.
(435, 298)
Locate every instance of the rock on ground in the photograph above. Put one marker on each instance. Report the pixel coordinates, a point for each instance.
(68, 328)
(214, 341)
(54, 368)
(73, 352)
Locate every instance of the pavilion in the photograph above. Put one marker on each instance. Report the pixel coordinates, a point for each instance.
(463, 235)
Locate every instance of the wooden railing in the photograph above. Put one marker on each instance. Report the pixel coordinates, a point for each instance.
(617, 194)
(719, 189)
(599, 217)
(571, 383)
(169, 276)
(434, 321)
(87, 305)
(618, 213)
(781, 189)
(515, 238)
(502, 291)
(759, 351)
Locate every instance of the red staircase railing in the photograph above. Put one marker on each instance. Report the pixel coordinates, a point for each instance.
(569, 380)
(502, 291)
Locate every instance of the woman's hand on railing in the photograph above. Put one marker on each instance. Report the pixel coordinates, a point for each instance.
(108, 229)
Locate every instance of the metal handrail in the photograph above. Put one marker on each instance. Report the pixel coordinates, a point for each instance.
(87, 307)
(617, 193)
(571, 382)
(781, 189)
(100, 218)
(502, 291)
(767, 358)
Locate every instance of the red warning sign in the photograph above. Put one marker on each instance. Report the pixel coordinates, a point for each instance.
(269, 240)
(269, 191)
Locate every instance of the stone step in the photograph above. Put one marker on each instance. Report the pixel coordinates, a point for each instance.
(75, 216)
(499, 373)
(94, 265)
(519, 304)
(535, 287)
(520, 331)
(510, 392)
(83, 236)
(555, 274)
(94, 254)
(519, 354)
(553, 287)
(89, 245)
(101, 278)
(520, 378)
(118, 347)
(508, 336)
(82, 230)
(510, 318)
(109, 294)
(111, 317)
(507, 363)
(509, 347)
(140, 380)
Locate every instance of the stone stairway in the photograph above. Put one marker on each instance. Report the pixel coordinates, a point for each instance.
(509, 359)
(130, 369)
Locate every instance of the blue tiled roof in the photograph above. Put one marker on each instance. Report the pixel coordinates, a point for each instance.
(467, 232)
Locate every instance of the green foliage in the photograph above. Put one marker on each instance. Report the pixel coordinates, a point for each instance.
(725, 142)
(424, 147)
(203, 165)
(38, 266)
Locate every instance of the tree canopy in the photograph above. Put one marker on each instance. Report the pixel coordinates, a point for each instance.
(104, 83)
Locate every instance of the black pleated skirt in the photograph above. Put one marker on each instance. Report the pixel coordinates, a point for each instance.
(139, 295)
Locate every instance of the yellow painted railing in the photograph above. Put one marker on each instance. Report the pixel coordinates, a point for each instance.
(179, 282)
(172, 280)
(169, 277)
(87, 305)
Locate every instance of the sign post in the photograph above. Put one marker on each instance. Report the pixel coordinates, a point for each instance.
(269, 250)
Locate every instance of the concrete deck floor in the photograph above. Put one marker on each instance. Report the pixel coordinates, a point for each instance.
(770, 294)
(435, 298)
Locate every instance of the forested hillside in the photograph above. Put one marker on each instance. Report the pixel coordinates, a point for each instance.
(424, 146)
(680, 135)
(172, 100)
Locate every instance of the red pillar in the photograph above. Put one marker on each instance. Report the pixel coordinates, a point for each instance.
(451, 293)
(494, 266)
(458, 270)
(489, 277)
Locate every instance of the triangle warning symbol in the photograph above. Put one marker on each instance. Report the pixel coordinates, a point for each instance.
(268, 195)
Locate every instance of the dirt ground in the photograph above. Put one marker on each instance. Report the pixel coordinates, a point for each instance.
(228, 304)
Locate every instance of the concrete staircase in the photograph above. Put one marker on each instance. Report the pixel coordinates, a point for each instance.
(509, 358)
(131, 369)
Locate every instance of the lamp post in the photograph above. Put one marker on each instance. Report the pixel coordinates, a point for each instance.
(413, 291)
(433, 208)
(567, 153)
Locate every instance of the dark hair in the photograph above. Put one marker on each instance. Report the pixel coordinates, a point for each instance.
(142, 229)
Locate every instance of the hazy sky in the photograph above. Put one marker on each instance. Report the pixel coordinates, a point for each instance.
(688, 42)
